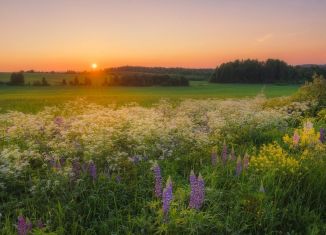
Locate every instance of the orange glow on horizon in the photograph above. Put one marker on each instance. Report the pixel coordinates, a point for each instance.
(63, 35)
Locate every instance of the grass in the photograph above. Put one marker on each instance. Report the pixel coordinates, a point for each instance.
(32, 99)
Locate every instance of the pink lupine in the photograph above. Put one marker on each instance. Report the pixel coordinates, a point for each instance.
(296, 138)
(22, 226)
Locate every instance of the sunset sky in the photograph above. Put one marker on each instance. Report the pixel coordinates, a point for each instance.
(73, 34)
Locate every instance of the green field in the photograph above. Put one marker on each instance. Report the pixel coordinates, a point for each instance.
(32, 99)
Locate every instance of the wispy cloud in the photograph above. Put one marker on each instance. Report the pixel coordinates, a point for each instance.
(264, 38)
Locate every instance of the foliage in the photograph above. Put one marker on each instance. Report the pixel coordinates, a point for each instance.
(17, 79)
(89, 169)
(269, 71)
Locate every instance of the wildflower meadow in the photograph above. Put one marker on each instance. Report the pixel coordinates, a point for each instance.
(233, 166)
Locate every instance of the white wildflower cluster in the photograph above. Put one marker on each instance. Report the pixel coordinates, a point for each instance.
(116, 134)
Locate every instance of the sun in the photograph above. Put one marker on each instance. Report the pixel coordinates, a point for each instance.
(94, 66)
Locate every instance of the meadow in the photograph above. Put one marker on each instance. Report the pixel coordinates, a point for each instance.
(250, 162)
(33, 99)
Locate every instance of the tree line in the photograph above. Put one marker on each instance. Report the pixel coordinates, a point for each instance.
(269, 71)
(120, 79)
(142, 79)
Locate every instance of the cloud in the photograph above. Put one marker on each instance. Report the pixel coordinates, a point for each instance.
(264, 38)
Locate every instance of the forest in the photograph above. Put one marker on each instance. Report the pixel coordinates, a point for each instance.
(269, 71)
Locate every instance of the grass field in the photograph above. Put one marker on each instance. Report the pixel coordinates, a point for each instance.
(32, 99)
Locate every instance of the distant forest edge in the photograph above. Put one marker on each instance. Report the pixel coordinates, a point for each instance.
(249, 71)
(270, 71)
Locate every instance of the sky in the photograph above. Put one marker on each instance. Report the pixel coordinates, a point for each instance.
(73, 34)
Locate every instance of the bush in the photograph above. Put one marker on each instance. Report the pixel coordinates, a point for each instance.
(17, 79)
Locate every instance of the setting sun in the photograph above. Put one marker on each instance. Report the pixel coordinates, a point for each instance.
(94, 66)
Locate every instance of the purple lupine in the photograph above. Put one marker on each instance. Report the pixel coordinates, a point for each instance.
(224, 154)
(197, 193)
(322, 135)
(214, 157)
(238, 168)
(200, 192)
(296, 138)
(92, 170)
(158, 180)
(167, 198)
(246, 161)
(232, 155)
(193, 187)
(135, 159)
(22, 227)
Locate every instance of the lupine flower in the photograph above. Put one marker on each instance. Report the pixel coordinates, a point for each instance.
(167, 197)
(214, 157)
(22, 227)
(224, 154)
(238, 168)
(322, 135)
(92, 170)
(296, 138)
(200, 192)
(246, 161)
(193, 192)
(232, 155)
(158, 180)
(261, 189)
(197, 193)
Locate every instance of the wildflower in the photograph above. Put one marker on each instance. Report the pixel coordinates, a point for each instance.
(92, 170)
(167, 197)
(232, 155)
(22, 227)
(322, 135)
(197, 193)
(193, 192)
(200, 191)
(238, 169)
(135, 159)
(158, 180)
(214, 157)
(246, 161)
(296, 138)
(224, 153)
